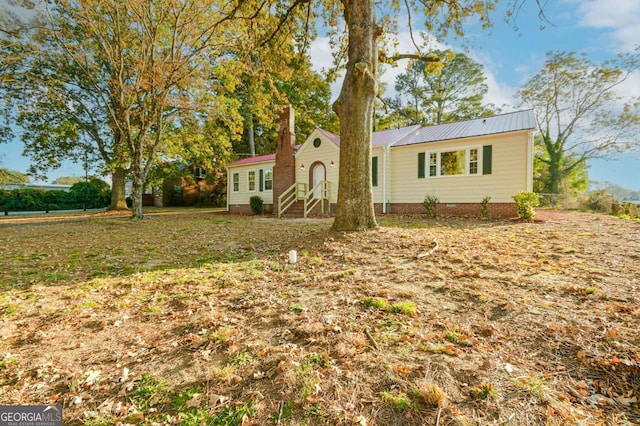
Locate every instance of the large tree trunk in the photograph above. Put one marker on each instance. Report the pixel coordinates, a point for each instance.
(137, 187)
(354, 107)
(137, 191)
(250, 134)
(118, 179)
(555, 175)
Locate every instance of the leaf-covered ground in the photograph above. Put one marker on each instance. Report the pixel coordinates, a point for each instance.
(199, 318)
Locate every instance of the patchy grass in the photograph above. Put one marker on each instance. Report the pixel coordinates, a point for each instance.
(198, 318)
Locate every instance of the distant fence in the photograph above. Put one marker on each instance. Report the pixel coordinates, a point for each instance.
(42, 186)
(597, 201)
(561, 201)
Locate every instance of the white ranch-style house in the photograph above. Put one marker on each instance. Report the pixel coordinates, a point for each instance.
(459, 163)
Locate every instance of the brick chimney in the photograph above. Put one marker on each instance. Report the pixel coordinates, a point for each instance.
(284, 171)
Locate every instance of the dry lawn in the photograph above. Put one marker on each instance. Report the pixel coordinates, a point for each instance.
(198, 318)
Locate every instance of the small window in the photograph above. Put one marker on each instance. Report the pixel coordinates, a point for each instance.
(268, 180)
(251, 180)
(433, 164)
(236, 182)
(200, 173)
(473, 161)
(317, 142)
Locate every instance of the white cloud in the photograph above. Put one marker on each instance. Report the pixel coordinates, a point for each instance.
(630, 88)
(619, 17)
(322, 60)
(498, 94)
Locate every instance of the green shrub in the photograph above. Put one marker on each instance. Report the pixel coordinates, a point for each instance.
(631, 210)
(601, 201)
(92, 194)
(256, 204)
(484, 207)
(430, 204)
(526, 202)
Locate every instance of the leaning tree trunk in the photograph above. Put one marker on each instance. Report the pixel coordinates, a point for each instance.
(555, 151)
(354, 107)
(555, 176)
(118, 180)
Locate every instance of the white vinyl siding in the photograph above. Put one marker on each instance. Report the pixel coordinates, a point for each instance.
(241, 197)
(378, 189)
(507, 178)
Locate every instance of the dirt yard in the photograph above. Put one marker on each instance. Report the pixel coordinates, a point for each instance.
(199, 318)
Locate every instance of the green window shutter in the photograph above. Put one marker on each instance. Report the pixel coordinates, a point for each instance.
(374, 171)
(487, 151)
(421, 163)
(261, 180)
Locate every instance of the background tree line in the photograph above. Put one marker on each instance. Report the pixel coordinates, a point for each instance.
(91, 195)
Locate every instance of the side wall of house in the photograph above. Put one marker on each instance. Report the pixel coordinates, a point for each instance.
(510, 167)
(238, 201)
(378, 181)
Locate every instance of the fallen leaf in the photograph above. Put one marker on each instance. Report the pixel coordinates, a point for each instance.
(195, 401)
(361, 420)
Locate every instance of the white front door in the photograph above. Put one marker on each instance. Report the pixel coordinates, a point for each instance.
(319, 174)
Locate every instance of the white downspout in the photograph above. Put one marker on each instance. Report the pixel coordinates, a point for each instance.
(229, 183)
(530, 162)
(384, 179)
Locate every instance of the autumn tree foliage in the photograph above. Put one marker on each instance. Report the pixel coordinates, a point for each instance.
(449, 88)
(266, 90)
(12, 177)
(580, 114)
(130, 81)
(126, 71)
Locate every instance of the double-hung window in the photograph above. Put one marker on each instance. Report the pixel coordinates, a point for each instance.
(473, 161)
(460, 162)
(268, 179)
(236, 182)
(251, 180)
(433, 164)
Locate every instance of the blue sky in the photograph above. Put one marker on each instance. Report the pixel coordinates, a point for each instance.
(600, 28)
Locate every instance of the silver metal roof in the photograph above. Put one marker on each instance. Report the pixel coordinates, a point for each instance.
(391, 136)
(503, 123)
